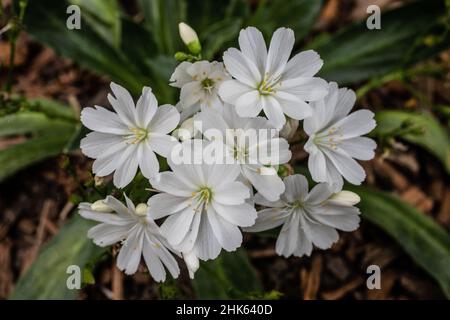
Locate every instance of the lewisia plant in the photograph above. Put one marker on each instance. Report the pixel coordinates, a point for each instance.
(227, 156)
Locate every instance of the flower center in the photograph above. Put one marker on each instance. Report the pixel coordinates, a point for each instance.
(329, 138)
(208, 84)
(266, 87)
(137, 135)
(204, 195)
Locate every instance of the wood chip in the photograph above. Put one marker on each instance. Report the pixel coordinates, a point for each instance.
(444, 213)
(342, 291)
(6, 274)
(388, 280)
(387, 171)
(265, 253)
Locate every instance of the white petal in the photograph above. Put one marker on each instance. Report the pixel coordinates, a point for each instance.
(165, 120)
(241, 67)
(130, 253)
(231, 90)
(296, 187)
(345, 103)
(163, 254)
(345, 222)
(228, 234)
(154, 265)
(188, 243)
(105, 234)
(170, 183)
(102, 120)
(288, 239)
(304, 245)
(273, 111)
(127, 167)
(249, 104)
(280, 49)
(349, 168)
(220, 176)
(123, 104)
(177, 225)
(164, 204)
(162, 144)
(317, 165)
(118, 207)
(231, 193)
(191, 93)
(306, 89)
(259, 199)
(270, 186)
(252, 45)
(145, 107)
(319, 194)
(293, 107)
(357, 123)
(303, 64)
(180, 76)
(97, 144)
(268, 219)
(207, 246)
(109, 218)
(242, 215)
(360, 148)
(148, 163)
(321, 236)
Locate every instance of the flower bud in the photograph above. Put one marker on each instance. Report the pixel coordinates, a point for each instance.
(190, 38)
(100, 206)
(141, 209)
(346, 198)
(192, 263)
(186, 131)
(267, 171)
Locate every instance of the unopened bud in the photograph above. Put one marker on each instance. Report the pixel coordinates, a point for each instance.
(289, 129)
(190, 38)
(346, 198)
(141, 209)
(267, 171)
(101, 206)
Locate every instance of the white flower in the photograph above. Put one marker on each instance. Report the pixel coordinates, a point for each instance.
(263, 178)
(205, 206)
(140, 233)
(199, 82)
(266, 80)
(306, 218)
(334, 139)
(129, 138)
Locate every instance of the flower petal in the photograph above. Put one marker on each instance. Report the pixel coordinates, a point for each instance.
(242, 215)
(145, 107)
(165, 120)
(103, 120)
(303, 64)
(241, 67)
(228, 234)
(164, 204)
(253, 46)
(280, 49)
(268, 219)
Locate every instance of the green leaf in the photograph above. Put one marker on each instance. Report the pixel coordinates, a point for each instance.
(46, 279)
(435, 138)
(422, 238)
(103, 16)
(357, 53)
(162, 18)
(299, 15)
(229, 276)
(30, 122)
(46, 21)
(24, 154)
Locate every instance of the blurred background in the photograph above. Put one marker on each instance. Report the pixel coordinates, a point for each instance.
(50, 72)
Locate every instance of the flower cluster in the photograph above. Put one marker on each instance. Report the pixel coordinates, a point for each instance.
(226, 144)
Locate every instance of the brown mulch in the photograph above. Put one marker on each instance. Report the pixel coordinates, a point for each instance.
(34, 204)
